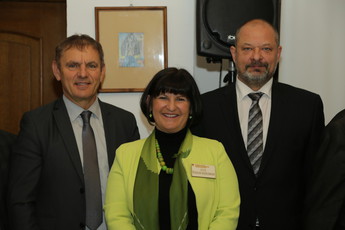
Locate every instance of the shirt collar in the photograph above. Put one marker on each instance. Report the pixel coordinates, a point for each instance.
(243, 90)
(75, 110)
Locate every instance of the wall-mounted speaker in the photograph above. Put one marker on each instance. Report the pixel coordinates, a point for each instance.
(218, 20)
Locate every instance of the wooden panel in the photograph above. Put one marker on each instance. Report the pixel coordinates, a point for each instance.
(20, 90)
(30, 31)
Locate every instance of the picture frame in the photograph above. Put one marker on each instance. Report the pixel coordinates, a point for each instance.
(134, 41)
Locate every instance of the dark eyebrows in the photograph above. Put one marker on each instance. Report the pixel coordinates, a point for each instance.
(78, 63)
(72, 63)
(92, 62)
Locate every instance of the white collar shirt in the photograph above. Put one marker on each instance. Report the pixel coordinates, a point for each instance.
(244, 103)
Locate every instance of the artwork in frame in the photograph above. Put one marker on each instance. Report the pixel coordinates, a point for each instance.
(134, 40)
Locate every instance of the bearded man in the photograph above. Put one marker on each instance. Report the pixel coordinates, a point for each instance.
(269, 129)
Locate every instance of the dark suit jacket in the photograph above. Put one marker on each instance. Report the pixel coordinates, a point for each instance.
(295, 125)
(325, 203)
(6, 141)
(46, 185)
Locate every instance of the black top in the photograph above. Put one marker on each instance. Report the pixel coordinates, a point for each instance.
(169, 144)
(6, 141)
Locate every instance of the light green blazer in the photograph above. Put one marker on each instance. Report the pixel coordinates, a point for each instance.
(217, 200)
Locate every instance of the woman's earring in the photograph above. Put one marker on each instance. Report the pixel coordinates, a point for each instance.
(150, 115)
(190, 117)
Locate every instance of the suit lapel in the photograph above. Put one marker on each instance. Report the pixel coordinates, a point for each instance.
(65, 128)
(109, 131)
(230, 110)
(274, 129)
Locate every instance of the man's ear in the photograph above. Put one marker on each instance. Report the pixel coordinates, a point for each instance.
(233, 53)
(56, 70)
(102, 74)
(279, 52)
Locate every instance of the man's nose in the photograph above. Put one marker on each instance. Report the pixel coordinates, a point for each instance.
(82, 71)
(256, 54)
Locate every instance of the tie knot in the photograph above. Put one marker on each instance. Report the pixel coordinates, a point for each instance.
(85, 115)
(255, 96)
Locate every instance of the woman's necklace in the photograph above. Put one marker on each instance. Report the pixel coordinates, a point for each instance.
(161, 160)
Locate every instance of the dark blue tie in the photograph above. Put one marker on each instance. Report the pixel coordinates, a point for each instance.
(91, 175)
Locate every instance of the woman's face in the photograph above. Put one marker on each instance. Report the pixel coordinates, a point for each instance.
(170, 112)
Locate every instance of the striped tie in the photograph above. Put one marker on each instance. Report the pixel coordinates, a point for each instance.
(255, 140)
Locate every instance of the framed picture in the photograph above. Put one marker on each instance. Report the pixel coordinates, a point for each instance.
(134, 41)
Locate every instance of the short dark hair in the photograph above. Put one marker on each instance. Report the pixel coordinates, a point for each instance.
(175, 81)
(79, 41)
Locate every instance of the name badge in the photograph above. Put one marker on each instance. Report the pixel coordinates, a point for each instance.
(206, 171)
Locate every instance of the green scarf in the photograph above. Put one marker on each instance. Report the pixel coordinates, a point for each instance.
(145, 196)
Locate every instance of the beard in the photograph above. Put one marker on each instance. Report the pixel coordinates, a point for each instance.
(255, 78)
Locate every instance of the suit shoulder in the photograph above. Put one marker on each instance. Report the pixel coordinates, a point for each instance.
(114, 109)
(339, 117)
(216, 92)
(292, 90)
(42, 113)
(6, 139)
(111, 107)
(4, 135)
(337, 125)
(117, 111)
(298, 98)
(212, 98)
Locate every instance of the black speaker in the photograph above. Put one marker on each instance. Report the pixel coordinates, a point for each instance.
(218, 20)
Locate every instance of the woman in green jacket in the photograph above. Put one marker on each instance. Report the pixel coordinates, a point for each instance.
(172, 179)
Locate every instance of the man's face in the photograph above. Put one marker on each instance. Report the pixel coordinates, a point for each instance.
(256, 54)
(81, 74)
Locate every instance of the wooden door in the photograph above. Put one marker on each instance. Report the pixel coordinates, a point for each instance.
(29, 32)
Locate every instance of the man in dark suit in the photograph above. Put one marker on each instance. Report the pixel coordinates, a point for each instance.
(47, 188)
(6, 141)
(291, 121)
(325, 200)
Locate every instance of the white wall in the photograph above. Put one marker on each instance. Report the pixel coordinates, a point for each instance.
(313, 40)
(180, 17)
(312, 36)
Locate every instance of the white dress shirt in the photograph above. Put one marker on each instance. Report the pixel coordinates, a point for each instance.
(244, 102)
